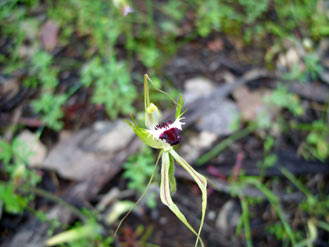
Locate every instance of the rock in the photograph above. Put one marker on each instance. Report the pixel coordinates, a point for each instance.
(197, 87)
(228, 218)
(219, 120)
(251, 103)
(222, 113)
(194, 147)
(108, 137)
(77, 155)
(38, 150)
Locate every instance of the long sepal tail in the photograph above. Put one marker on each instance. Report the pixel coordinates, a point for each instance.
(201, 182)
(142, 196)
(165, 195)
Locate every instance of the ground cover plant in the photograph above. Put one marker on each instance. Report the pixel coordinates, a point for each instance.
(71, 72)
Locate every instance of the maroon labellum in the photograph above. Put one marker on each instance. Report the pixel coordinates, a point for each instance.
(172, 136)
(169, 133)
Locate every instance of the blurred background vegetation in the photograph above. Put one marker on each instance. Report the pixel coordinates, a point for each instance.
(73, 62)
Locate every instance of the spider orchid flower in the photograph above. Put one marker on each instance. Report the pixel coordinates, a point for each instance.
(164, 136)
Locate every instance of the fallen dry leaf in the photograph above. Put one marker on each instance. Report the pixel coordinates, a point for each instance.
(49, 35)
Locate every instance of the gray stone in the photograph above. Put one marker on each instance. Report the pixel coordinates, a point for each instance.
(195, 145)
(221, 112)
(219, 119)
(77, 155)
(228, 218)
(197, 87)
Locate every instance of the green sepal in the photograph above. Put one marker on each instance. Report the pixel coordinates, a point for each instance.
(172, 179)
(166, 199)
(179, 107)
(147, 138)
(202, 184)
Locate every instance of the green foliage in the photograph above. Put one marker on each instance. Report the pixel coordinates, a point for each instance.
(314, 206)
(269, 159)
(112, 85)
(313, 66)
(103, 28)
(14, 157)
(211, 14)
(80, 235)
(282, 98)
(13, 202)
(277, 229)
(253, 9)
(317, 140)
(50, 107)
(311, 71)
(138, 169)
(48, 104)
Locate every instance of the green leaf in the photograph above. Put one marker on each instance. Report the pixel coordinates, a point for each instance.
(13, 203)
(118, 209)
(88, 230)
(165, 190)
(5, 151)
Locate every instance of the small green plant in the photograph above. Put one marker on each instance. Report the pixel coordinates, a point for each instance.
(283, 99)
(269, 159)
(316, 206)
(211, 14)
(277, 229)
(316, 144)
(112, 86)
(317, 140)
(253, 10)
(311, 71)
(14, 157)
(274, 201)
(50, 106)
(139, 169)
(313, 65)
(296, 74)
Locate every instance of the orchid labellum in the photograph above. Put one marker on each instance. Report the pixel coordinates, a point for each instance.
(164, 136)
